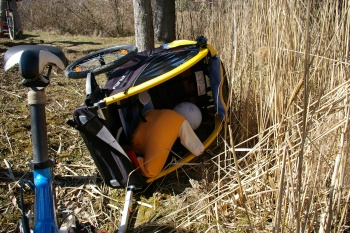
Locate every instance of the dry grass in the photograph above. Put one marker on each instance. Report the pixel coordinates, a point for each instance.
(279, 166)
(92, 18)
(284, 182)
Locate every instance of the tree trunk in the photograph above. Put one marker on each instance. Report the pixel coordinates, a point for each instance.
(164, 20)
(144, 34)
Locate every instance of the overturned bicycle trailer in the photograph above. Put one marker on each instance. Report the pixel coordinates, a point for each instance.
(182, 71)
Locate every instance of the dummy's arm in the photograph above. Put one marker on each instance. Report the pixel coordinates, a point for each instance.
(190, 140)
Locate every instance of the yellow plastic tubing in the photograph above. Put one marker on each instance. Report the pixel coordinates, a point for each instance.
(156, 81)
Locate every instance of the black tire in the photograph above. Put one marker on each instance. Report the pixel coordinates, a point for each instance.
(97, 64)
(11, 25)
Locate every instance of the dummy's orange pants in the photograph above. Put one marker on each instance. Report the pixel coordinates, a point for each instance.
(154, 138)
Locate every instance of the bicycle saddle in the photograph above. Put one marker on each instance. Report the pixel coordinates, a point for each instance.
(32, 59)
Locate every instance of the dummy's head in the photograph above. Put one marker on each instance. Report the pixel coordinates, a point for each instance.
(191, 112)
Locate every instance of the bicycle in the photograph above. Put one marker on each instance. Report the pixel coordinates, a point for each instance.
(9, 22)
(35, 65)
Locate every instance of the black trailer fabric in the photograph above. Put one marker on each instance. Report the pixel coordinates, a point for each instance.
(112, 162)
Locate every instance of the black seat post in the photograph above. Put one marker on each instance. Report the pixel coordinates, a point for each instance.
(37, 102)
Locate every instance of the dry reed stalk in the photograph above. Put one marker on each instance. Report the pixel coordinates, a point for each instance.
(305, 112)
(240, 190)
(343, 213)
(8, 140)
(278, 212)
(343, 157)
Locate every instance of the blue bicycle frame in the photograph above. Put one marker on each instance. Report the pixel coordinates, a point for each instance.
(45, 218)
